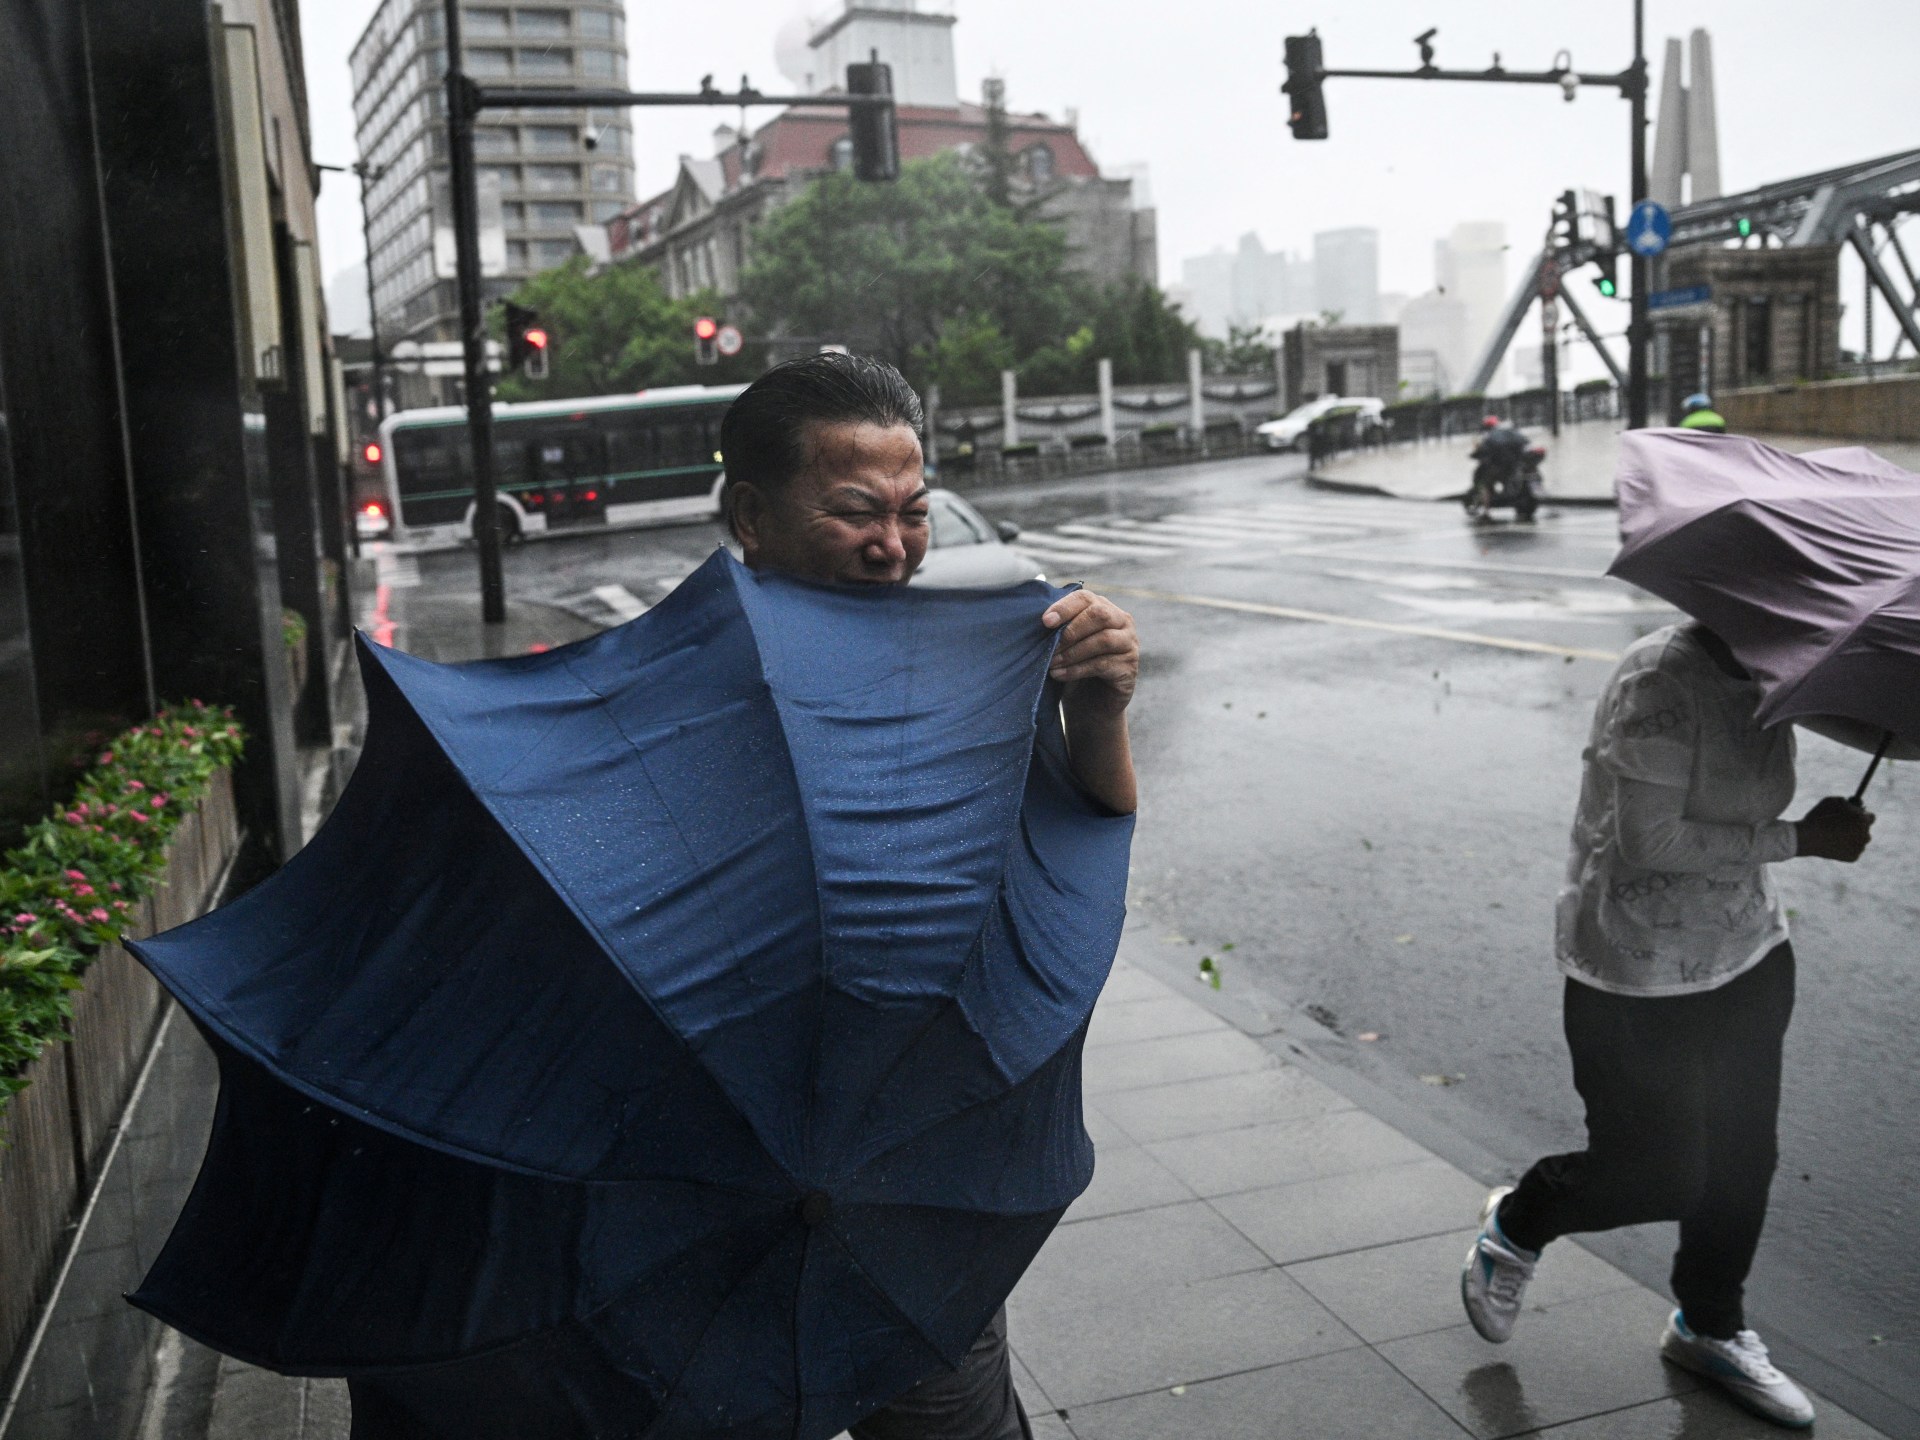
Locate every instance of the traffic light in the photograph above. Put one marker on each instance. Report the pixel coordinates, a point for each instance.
(1607, 260)
(527, 342)
(1744, 226)
(371, 452)
(705, 352)
(1566, 220)
(1307, 116)
(874, 128)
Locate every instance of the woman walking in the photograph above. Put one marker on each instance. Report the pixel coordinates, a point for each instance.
(1679, 987)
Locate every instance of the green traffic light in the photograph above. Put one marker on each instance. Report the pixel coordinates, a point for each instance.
(1607, 286)
(1744, 226)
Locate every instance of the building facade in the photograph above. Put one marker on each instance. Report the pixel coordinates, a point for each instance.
(1755, 317)
(1346, 275)
(698, 232)
(1356, 361)
(1247, 286)
(544, 174)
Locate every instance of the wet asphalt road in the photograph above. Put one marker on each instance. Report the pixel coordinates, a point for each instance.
(1374, 817)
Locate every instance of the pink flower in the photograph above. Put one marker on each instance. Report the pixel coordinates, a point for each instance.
(106, 757)
(74, 817)
(135, 785)
(98, 915)
(114, 885)
(138, 817)
(74, 874)
(83, 889)
(26, 919)
(188, 730)
(154, 802)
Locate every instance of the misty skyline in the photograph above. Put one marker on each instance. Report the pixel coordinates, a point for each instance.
(1200, 104)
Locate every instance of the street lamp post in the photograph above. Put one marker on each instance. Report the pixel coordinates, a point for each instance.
(368, 178)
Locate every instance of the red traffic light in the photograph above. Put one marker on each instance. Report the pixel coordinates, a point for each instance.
(705, 328)
(536, 339)
(371, 452)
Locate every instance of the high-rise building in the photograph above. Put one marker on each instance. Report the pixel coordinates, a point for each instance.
(1346, 274)
(1247, 287)
(1470, 266)
(548, 172)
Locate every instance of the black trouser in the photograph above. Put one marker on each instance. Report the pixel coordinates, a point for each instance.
(1682, 1096)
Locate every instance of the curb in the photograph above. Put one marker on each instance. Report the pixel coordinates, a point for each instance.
(1359, 487)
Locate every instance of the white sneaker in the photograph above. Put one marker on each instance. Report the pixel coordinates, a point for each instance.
(1493, 1282)
(1740, 1367)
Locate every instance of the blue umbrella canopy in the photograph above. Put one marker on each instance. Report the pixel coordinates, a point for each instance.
(670, 1035)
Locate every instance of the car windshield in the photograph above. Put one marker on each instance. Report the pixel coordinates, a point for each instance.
(952, 525)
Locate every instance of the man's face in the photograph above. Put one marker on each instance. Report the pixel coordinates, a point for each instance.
(856, 514)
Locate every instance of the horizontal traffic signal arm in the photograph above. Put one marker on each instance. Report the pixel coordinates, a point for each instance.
(487, 97)
(1624, 81)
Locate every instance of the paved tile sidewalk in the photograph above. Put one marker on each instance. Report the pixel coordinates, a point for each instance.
(1259, 1258)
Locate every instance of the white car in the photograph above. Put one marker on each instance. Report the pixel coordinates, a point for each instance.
(1289, 432)
(964, 552)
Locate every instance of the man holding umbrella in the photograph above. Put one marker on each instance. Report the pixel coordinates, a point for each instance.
(1680, 974)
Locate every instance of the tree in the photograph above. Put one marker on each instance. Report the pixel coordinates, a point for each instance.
(933, 275)
(615, 330)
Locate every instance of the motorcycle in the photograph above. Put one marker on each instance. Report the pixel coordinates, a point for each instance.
(1516, 484)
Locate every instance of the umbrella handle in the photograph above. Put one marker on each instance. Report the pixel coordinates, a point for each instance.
(1878, 756)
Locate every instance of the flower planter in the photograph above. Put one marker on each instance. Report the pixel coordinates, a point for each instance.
(57, 1131)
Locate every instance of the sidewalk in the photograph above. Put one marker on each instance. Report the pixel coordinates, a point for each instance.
(1257, 1257)
(1260, 1259)
(1578, 469)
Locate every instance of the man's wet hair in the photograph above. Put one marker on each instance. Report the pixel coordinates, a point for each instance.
(763, 438)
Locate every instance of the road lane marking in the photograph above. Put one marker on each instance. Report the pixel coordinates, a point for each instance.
(1096, 542)
(1557, 571)
(1322, 617)
(621, 601)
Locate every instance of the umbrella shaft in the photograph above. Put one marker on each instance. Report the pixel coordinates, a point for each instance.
(1873, 765)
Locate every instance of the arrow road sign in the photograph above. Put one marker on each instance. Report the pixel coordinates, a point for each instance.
(729, 341)
(1649, 228)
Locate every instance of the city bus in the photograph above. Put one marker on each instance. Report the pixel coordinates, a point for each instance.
(558, 465)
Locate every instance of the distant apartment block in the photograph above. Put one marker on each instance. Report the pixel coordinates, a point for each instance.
(549, 172)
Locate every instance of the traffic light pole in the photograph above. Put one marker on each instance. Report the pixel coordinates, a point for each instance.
(465, 101)
(1632, 85)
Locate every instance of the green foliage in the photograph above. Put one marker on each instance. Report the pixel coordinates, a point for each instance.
(1244, 352)
(73, 884)
(933, 275)
(293, 629)
(615, 331)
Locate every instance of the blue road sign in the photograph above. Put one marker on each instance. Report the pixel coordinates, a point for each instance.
(1674, 299)
(1649, 228)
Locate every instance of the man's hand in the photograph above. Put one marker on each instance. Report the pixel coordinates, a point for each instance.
(1097, 659)
(1096, 643)
(1835, 829)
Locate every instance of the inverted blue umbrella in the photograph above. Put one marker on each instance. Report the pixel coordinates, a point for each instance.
(673, 1035)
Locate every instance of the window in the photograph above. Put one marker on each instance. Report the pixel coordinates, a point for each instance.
(841, 155)
(552, 178)
(1039, 163)
(601, 64)
(552, 214)
(605, 210)
(608, 179)
(1756, 320)
(550, 139)
(483, 60)
(596, 24)
(546, 24)
(952, 525)
(684, 443)
(546, 62)
(549, 253)
(488, 140)
(630, 447)
(507, 175)
(513, 215)
(517, 255)
(488, 23)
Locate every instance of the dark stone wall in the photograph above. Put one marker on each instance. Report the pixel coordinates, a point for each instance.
(196, 426)
(69, 574)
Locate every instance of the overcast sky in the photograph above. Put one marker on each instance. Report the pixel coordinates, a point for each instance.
(1192, 90)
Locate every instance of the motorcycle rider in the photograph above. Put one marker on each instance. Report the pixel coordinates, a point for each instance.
(1697, 413)
(1498, 458)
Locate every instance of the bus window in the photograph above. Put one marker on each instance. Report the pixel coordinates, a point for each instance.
(510, 461)
(683, 443)
(429, 461)
(631, 448)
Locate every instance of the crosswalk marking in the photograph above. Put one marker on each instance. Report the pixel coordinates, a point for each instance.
(621, 601)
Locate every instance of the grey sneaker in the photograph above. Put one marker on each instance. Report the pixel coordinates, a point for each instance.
(1740, 1367)
(1493, 1282)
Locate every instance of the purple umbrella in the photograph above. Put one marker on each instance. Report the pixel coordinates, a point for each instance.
(1808, 566)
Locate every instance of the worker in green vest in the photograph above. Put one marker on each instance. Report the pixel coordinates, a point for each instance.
(1697, 413)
